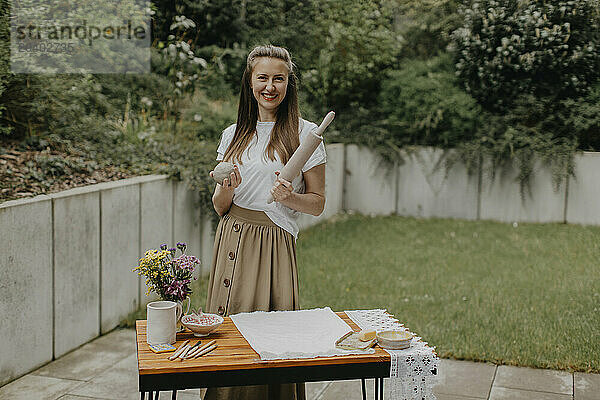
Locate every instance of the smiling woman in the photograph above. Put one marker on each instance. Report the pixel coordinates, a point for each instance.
(254, 259)
(269, 86)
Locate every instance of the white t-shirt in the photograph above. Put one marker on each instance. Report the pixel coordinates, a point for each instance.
(258, 173)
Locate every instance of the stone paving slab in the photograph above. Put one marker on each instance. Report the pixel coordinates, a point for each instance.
(442, 396)
(117, 382)
(31, 387)
(315, 390)
(348, 390)
(92, 358)
(503, 393)
(541, 380)
(587, 386)
(464, 378)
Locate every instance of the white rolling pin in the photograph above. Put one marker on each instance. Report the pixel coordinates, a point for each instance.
(303, 152)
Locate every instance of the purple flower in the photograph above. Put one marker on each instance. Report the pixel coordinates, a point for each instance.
(163, 246)
(172, 250)
(178, 289)
(181, 246)
(185, 262)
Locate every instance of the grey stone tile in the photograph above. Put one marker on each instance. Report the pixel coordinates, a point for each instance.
(36, 387)
(503, 393)
(189, 394)
(73, 397)
(464, 378)
(541, 380)
(92, 358)
(314, 390)
(350, 390)
(587, 386)
(442, 396)
(118, 382)
(347, 390)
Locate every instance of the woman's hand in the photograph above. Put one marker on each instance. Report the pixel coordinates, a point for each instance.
(223, 196)
(234, 180)
(282, 189)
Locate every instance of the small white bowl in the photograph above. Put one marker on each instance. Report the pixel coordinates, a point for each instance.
(199, 328)
(394, 340)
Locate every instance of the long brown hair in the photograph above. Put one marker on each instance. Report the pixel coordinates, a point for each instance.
(284, 136)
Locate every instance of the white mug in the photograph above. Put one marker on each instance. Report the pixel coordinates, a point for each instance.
(162, 321)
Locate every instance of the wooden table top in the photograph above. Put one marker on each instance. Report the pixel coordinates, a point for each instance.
(234, 353)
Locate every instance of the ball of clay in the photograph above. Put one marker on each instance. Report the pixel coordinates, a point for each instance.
(222, 171)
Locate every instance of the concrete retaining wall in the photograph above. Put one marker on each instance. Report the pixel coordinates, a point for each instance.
(26, 282)
(66, 261)
(583, 200)
(423, 190)
(501, 198)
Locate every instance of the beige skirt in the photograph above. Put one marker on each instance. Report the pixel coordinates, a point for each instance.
(253, 269)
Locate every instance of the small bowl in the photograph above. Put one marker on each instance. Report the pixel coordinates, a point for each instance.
(394, 340)
(203, 324)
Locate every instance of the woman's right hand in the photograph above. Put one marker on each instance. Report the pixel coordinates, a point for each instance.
(234, 180)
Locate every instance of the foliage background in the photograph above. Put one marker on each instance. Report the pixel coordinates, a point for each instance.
(505, 80)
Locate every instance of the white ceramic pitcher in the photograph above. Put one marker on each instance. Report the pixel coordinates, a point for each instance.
(162, 320)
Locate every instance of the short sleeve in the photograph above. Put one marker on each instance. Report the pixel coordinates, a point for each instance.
(319, 156)
(226, 138)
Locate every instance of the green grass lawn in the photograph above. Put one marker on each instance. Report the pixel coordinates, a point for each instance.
(487, 291)
(526, 295)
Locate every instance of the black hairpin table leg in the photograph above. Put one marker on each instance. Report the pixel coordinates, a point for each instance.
(174, 395)
(364, 389)
(381, 389)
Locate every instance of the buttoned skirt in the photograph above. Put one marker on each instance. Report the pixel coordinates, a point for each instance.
(253, 269)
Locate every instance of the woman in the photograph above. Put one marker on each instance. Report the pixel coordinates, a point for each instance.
(254, 259)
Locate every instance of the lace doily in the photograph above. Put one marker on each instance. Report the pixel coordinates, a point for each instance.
(413, 371)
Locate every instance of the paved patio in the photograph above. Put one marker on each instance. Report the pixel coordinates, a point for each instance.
(106, 368)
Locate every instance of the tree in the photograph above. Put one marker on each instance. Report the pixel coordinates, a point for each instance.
(507, 48)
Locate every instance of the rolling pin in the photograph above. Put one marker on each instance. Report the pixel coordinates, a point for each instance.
(303, 152)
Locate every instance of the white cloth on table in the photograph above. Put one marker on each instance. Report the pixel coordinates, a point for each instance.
(413, 371)
(294, 334)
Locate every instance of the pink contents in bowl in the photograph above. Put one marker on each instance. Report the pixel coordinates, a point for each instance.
(204, 319)
(202, 324)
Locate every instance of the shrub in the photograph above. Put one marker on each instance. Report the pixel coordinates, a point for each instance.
(5, 129)
(426, 26)
(422, 104)
(352, 46)
(511, 47)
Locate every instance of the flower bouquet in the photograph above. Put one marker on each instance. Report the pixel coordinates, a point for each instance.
(166, 275)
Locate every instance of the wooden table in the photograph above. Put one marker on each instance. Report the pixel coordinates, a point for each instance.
(235, 363)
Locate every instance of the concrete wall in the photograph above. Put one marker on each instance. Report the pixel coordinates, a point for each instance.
(424, 190)
(583, 200)
(76, 225)
(501, 198)
(66, 262)
(119, 242)
(26, 309)
(156, 224)
(370, 187)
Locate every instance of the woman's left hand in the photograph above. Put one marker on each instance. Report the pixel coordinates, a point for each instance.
(282, 189)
